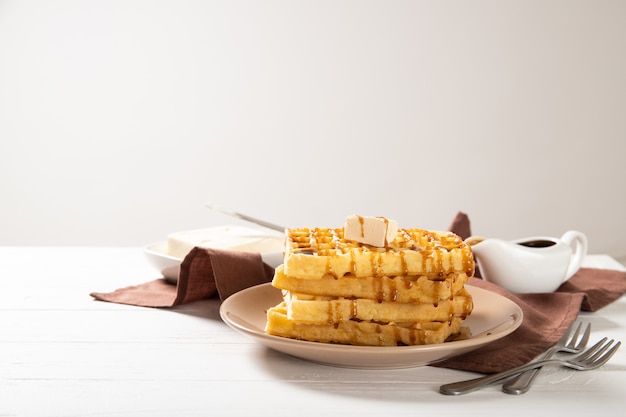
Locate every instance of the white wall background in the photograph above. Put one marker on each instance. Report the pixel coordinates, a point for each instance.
(119, 119)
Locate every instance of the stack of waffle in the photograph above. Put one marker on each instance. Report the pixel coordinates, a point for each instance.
(336, 290)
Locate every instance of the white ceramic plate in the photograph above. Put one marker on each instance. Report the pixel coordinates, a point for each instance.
(169, 266)
(493, 317)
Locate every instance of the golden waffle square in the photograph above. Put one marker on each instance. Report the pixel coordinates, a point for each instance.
(314, 253)
(365, 333)
(309, 309)
(401, 289)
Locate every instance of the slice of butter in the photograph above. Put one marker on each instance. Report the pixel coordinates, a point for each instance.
(236, 238)
(374, 231)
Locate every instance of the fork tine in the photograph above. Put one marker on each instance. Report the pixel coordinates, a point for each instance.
(574, 338)
(597, 354)
(585, 339)
(593, 349)
(566, 334)
(604, 359)
(611, 352)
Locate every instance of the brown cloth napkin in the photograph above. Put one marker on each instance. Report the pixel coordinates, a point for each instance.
(203, 274)
(209, 272)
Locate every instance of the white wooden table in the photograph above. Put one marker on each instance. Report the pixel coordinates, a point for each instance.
(64, 354)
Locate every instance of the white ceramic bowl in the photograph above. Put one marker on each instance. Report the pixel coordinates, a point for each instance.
(169, 266)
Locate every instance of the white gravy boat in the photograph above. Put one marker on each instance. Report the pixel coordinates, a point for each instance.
(530, 265)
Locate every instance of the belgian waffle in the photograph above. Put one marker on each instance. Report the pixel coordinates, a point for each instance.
(367, 333)
(313, 253)
(401, 289)
(305, 308)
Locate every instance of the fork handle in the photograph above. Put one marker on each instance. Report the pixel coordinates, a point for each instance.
(521, 384)
(463, 387)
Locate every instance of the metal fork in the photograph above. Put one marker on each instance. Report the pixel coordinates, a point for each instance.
(567, 343)
(592, 358)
